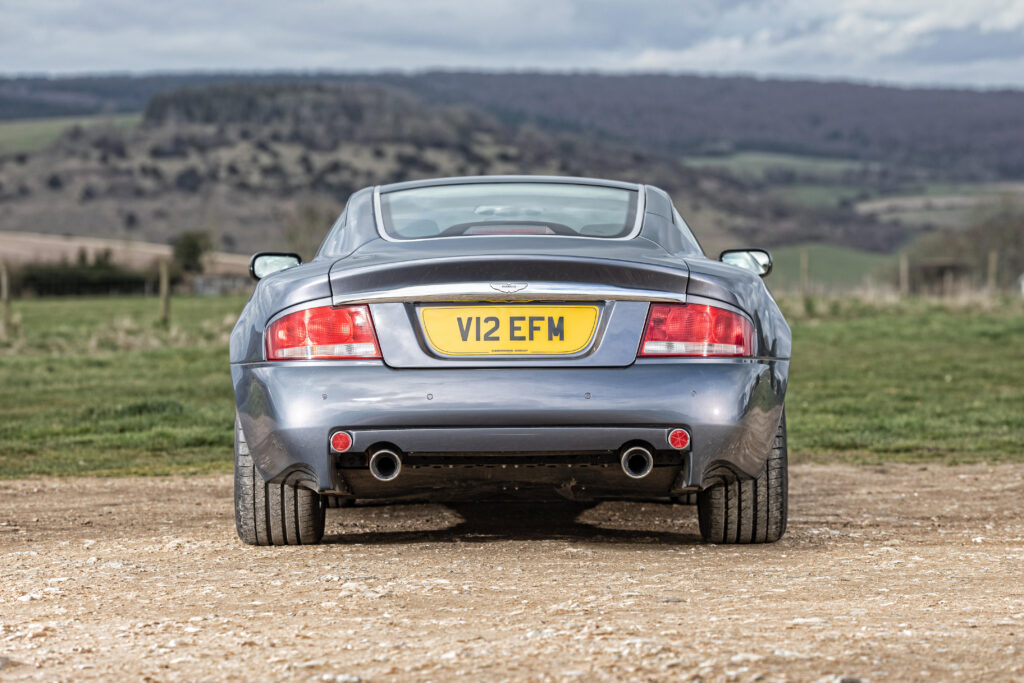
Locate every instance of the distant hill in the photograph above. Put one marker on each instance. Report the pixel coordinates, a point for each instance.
(953, 132)
(243, 160)
(957, 134)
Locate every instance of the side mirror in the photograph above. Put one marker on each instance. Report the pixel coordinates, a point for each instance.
(268, 262)
(757, 261)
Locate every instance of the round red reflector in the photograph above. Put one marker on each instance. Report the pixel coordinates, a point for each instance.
(341, 441)
(679, 439)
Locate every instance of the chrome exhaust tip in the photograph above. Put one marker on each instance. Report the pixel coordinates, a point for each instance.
(637, 462)
(385, 465)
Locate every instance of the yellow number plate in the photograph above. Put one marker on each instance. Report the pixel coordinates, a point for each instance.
(507, 330)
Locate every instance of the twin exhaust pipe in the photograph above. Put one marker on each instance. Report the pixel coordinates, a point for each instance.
(385, 464)
(636, 461)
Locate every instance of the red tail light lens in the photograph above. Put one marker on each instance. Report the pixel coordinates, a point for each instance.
(323, 333)
(689, 330)
(679, 439)
(341, 442)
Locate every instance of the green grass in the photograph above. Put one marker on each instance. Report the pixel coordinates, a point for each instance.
(97, 387)
(28, 135)
(817, 196)
(831, 268)
(754, 165)
(825, 183)
(945, 189)
(912, 382)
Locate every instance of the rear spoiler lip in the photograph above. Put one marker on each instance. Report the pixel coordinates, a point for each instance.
(532, 291)
(508, 277)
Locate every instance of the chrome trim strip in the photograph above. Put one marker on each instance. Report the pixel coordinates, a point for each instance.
(717, 303)
(482, 291)
(378, 216)
(514, 178)
(301, 306)
(641, 209)
(638, 222)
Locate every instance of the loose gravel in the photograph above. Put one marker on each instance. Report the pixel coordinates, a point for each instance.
(895, 573)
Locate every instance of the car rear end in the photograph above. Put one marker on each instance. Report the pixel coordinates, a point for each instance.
(508, 364)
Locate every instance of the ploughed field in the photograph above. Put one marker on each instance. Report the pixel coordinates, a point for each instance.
(896, 572)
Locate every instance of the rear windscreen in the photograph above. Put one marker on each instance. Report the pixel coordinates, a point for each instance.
(509, 209)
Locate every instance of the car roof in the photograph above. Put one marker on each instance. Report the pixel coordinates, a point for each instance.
(466, 180)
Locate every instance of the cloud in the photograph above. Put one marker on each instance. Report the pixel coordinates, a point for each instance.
(965, 46)
(977, 43)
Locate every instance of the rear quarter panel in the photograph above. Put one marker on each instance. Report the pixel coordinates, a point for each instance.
(713, 281)
(273, 294)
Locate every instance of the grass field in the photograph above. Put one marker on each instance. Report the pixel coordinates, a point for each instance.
(95, 386)
(910, 382)
(754, 165)
(817, 195)
(825, 183)
(831, 267)
(27, 135)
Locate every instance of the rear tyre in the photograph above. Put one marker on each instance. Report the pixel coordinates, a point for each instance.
(272, 514)
(749, 510)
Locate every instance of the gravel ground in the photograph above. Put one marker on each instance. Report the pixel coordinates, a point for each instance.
(903, 572)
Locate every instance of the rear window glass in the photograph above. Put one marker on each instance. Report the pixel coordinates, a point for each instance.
(509, 209)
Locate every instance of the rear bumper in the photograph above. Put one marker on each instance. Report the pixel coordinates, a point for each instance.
(492, 430)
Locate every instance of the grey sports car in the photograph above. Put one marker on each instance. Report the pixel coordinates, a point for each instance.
(510, 337)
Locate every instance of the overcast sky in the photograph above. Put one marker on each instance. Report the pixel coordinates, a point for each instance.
(967, 42)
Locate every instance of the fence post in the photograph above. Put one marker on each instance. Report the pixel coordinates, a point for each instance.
(165, 294)
(993, 271)
(5, 302)
(904, 275)
(805, 272)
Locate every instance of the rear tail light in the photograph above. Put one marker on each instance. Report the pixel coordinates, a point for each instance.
(693, 330)
(323, 333)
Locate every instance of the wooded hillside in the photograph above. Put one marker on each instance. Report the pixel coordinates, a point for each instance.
(952, 133)
(242, 160)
